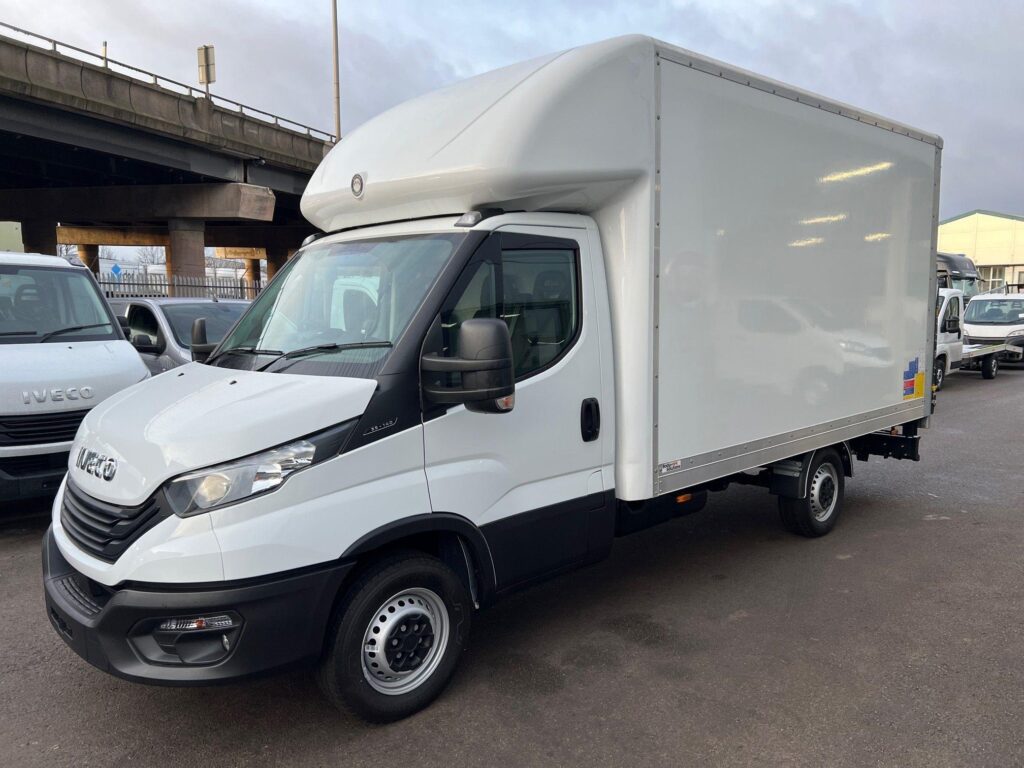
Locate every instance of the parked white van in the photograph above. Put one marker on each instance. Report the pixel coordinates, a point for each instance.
(61, 353)
(548, 276)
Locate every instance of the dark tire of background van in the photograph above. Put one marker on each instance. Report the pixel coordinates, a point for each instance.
(939, 373)
(989, 367)
(806, 517)
(341, 673)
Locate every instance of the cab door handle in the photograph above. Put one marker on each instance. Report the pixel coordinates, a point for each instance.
(590, 419)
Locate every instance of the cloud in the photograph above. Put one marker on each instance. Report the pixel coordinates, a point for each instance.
(931, 65)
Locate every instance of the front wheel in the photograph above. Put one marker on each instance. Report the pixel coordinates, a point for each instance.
(816, 514)
(397, 639)
(939, 373)
(989, 367)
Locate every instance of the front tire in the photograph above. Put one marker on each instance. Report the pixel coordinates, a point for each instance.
(939, 373)
(397, 639)
(989, 367)
(816, 514)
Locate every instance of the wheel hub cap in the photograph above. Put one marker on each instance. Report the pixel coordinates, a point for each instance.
(823, 492)
(405, 641)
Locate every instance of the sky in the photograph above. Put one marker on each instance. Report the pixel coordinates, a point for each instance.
(952, 68)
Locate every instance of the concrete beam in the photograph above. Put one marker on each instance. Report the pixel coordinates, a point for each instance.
(269, 236)
(209, 202)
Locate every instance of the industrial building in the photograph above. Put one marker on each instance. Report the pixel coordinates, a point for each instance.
(993, 241)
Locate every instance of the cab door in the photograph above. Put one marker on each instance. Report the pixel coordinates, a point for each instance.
(950, 331)
(531, 478)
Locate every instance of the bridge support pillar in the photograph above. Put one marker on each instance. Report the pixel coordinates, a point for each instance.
(186, 256)
(39, 236)
(90, 256)
(276, 257)
(252, 276)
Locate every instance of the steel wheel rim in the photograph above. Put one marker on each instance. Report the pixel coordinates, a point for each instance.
(405, 641)
(939, 373)
(824, 492)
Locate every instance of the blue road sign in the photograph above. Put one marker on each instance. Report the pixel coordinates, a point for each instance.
(116, 270)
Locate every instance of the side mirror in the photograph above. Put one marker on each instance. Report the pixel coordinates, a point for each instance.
(486, 381)
(145, 345)
(200, 348)
(952, 325)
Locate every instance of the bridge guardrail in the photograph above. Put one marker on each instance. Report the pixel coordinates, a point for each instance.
(168, 83)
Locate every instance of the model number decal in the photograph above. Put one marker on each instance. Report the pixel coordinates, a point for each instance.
(380, 427)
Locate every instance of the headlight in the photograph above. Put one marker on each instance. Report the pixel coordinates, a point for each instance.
(1018, 332)
(222, 484)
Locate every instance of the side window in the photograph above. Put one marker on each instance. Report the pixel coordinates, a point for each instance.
(952, 310)
(142, 321)
(536, 292)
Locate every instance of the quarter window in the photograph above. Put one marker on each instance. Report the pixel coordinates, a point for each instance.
(536, 293)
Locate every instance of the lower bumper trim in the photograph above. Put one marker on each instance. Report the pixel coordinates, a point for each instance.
(283, 622)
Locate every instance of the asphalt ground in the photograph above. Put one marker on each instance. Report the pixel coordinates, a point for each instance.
(717, 639)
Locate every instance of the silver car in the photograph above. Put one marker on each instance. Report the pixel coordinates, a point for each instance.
(160, 329)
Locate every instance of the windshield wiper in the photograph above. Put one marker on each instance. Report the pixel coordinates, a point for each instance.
(246, 350)
(69, 329)
(321, 348)
(17, 333)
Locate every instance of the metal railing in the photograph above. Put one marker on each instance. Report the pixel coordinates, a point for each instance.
(136, 285)
(167, 83)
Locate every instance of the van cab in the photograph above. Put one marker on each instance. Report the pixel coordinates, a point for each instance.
(62, 352)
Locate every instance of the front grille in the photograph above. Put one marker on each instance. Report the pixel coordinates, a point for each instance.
(107, 530)
(986, 342)
(39, 428)
(24, 466)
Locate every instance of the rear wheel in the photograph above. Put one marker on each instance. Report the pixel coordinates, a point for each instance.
(989, 367)
(816, 514)
(397, 639)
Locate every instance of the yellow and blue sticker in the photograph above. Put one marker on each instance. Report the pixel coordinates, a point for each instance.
(913, 380)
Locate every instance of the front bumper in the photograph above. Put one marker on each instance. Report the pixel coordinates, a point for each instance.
(282, 621)
(25, 477)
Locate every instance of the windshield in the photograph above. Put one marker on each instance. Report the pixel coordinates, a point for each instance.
(995, 312)
(37, 304)
(362, 292)
(969, 285)
(220, 316)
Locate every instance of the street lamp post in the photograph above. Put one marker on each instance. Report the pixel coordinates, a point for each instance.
(337, 78)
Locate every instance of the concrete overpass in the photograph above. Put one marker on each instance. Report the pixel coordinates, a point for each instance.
(115, 155)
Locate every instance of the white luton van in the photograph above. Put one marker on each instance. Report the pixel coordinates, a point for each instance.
(61, 353)
(538, 321)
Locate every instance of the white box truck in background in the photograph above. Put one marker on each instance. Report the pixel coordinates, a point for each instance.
(559, 302)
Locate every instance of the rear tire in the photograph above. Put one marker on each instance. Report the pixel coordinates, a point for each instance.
(816, 514)
(989, 367)
(397, 638)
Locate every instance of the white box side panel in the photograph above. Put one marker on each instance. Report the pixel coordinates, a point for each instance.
(795, 269)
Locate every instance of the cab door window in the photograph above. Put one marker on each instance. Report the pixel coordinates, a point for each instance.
(535, 291)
